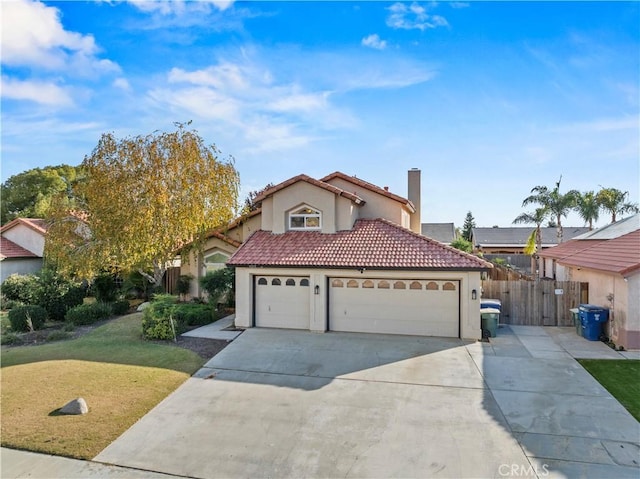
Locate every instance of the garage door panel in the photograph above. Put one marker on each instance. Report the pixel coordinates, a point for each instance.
(390, 309)
(282, 302)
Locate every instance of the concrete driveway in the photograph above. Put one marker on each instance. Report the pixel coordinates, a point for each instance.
(299, 404)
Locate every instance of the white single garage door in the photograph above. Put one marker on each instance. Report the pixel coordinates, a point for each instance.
(282, 302)
(395, 306)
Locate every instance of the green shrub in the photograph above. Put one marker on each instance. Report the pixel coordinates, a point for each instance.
(25, 318)
(20, 287)
(8, 304)
(57, 294)
(159, 321)
(120, 307)
(194, 314)
(218, 284)
(88, 313)
(10, 338)
(104, 288)
(184, 284)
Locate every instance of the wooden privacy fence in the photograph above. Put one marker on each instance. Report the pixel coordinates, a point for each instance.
(536, 303)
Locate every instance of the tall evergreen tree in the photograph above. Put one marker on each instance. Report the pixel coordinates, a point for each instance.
(469, 224)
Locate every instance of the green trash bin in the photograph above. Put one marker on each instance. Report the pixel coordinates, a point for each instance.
(575, 314)
(489, 318)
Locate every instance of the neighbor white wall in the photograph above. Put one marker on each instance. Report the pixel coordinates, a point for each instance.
(27, 238)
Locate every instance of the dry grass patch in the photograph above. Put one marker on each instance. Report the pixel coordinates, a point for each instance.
(120, 375)
(117, 395)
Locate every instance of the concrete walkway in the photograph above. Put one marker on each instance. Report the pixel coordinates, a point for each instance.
(216, 330)
(23, 464)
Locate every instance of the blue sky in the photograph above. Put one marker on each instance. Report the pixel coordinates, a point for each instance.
(488, 99)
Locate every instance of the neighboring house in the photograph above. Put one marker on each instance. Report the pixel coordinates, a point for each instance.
(508, 243)
(609, 260)
(342, 254)
(443, 232)
(22, 246)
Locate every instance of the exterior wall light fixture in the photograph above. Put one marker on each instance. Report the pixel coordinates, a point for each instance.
(316, 289)
(474, 294)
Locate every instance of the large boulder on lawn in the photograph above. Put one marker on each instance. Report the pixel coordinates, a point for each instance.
(76, 407)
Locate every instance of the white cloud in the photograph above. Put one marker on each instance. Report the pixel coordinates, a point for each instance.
(223, 76)
(122, 83)
(374, 41)
(413, 17)
(602, 125)
(33, 36)
(458, 4)
(40, 92)
(180, 7)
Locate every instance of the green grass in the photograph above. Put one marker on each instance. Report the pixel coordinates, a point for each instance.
(120, 375)
(621, 378)
(119, 341)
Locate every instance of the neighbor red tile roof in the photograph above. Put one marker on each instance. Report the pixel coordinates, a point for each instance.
(8, 249)
(619, 255)
(36, 224)
(371, 244)
(369, 186)
(333, 189)
(568, 248)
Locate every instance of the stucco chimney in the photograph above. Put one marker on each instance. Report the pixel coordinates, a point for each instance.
(414, 196)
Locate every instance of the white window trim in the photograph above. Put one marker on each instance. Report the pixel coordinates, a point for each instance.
(293, 214)
(214, 266)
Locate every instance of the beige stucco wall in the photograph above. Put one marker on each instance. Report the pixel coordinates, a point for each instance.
(26, 237)
(276, 208)
(469, 308)
(624, 316)
(376, 205)
(194, 264)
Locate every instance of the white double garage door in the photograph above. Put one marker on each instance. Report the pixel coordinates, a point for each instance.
(425, 307)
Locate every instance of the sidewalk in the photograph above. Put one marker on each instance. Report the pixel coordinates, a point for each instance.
(216, 330)
(16, 464)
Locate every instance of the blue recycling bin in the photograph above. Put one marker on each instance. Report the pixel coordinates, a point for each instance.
(592, 318)
(491, 303)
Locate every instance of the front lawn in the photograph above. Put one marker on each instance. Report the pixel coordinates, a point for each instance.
(120, 375)
(620, 377)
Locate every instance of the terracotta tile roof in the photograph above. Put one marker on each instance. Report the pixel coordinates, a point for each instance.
(355, 198)
(619, 255)
(8, 249)
(369, 186)
(225, 238)
(568, 248)
(37, 224)
(371, 244)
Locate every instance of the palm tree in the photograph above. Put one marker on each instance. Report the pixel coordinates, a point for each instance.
(613, 201)
(588, 207)
(534, 242)
(553, 202)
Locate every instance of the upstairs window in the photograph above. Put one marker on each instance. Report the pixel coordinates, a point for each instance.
(305, 218)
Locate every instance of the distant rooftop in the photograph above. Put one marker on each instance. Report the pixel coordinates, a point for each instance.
(442, 232)
(517, 236)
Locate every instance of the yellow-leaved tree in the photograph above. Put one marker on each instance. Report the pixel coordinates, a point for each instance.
(142, 200)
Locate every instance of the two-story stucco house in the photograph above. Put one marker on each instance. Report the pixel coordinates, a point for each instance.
(341, 254)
